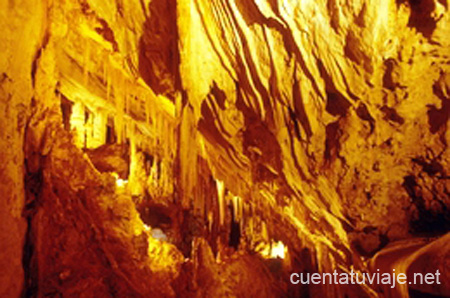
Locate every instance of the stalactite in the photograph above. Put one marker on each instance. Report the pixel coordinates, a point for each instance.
(119, 98)
(153, 177)
(100, 123)
(221, 200)
(237, 208)
(265, 232)
(136, 169)
(89, 130)
(77, 121)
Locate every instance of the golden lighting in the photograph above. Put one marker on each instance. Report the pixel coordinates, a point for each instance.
(273, 250)
(278, 250)
(121, 183)
(206, 131)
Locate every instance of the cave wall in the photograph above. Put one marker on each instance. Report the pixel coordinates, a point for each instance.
(323, 123)
(336, 108)
(22, 25)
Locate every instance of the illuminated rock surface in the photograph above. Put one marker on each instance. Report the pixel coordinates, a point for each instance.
(164, 148)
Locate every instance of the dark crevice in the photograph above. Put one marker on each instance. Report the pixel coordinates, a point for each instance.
(250, 12)
(438, 118)
(33, 185)
(332, 144)
(421, 17)
(431, 167)
(391, 114)
(29, 265)
(219, 95)
(156, 215)
(235, 231)
(390, 78)
(426, 222)
(293, 116)
(207, 126)
(337, 104)
(66, 110)
(33, 182)
(364, 114)
(37, 56)
(158, 49)
(300, 111)
(107, 34)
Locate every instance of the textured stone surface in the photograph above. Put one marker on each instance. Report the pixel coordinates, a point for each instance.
(89, 240)
(320, 124)
(21, 25)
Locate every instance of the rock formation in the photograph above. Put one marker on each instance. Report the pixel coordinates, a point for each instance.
(209, 148)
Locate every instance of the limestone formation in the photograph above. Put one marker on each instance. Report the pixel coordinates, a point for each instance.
(210, 148)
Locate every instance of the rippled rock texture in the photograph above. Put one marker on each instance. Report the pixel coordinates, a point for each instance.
(149, 146)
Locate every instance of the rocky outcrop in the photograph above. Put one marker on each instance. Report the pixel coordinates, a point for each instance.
(88, 240)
